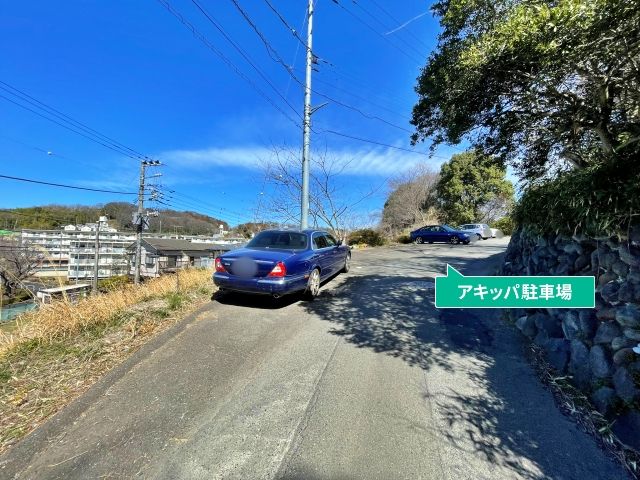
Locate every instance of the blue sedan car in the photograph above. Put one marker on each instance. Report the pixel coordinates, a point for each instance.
(439, 233)
(279, 262)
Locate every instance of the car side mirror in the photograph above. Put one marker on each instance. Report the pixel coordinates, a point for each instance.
(338, 243)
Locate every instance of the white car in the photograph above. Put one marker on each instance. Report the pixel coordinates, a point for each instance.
(481, 230)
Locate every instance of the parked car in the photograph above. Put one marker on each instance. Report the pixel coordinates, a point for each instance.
(279, 262)
(481, 230)
(439, 233)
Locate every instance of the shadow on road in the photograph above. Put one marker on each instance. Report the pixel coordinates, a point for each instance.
(263, 302)
(493, 407)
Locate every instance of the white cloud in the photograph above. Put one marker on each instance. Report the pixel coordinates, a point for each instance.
(361, 161)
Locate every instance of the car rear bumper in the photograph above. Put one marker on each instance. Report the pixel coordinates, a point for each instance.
(263, 285)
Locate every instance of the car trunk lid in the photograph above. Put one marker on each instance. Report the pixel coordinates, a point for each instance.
(252, 263)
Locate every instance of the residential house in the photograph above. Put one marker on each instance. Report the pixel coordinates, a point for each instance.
(164, 255)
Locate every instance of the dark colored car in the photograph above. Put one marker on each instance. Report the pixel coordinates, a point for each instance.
(279, 262)
(439, 233)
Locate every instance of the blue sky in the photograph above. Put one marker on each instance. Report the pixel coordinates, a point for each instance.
(133, 72)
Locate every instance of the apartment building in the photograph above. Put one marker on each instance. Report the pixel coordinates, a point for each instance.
(70, 252)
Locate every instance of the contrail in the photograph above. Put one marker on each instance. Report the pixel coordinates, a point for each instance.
(406, 23)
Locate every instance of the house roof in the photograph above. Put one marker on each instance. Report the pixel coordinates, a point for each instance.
(169, 246)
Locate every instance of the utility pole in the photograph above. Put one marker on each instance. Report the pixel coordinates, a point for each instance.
(96, 260)
(306, 127)
(139, 217)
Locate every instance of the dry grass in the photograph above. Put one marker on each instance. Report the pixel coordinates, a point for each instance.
(58, 352)
(575, 404)
(63, 318)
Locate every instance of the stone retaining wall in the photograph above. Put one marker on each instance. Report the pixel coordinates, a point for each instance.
(594, 346)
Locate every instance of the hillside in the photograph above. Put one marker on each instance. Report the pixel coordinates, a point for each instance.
(119, 214)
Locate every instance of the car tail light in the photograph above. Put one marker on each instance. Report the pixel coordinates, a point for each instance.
(280, 270)
(219, 266)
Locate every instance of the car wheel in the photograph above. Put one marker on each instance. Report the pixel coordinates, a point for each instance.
(313, 285)
(347, 263)
(484, 238)
(454, 240)
(479, 236)
(419, 240)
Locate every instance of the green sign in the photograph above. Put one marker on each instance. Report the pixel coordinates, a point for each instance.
(457, 291)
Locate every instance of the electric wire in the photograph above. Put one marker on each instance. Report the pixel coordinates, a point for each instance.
(244, 54)
(67, 127)
(374, 142)
(398, 22)
(202, 38)
(376, 19)
(273, 53)
(195, 202)
(75, 124)
(373, 29)
(30, 180)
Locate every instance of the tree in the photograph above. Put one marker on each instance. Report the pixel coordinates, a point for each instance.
(541, 84)
(17, 262)
(410, 201)
(248, 229)
(331, 201)
(469, 184)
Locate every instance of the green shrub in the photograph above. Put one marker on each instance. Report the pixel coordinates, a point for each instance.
(596, 201)
(366, 235)
(404, 239)
(175, 300)
(112, 283)
(505, 225)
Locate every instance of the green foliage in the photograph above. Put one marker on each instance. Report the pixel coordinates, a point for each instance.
(600, 200)
(175, 300)
(404, 239)
(540, 84)
(505, 224)
(113, 283)
(366, 235)
(467, 183)
(50, 217)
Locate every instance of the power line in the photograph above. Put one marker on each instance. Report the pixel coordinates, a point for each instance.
(375, 18)
(368, 25)
(66, 126)
(179, 205)
(374, 142)
(273, 53)
(30, 180)
(76, 125)
(202, 38)
(244, 54)
(204, 206)
(398, 22)
(93, 165)
(363, 99)
(363, 85)
(286, 24)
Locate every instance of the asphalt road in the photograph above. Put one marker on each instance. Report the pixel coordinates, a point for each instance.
(369, 381)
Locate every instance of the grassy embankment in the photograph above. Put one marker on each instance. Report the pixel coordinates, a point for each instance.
(52, 355)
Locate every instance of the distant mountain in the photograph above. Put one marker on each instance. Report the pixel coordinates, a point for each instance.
(120, 214)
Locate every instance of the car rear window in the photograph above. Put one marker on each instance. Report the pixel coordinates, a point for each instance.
(283, 240)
